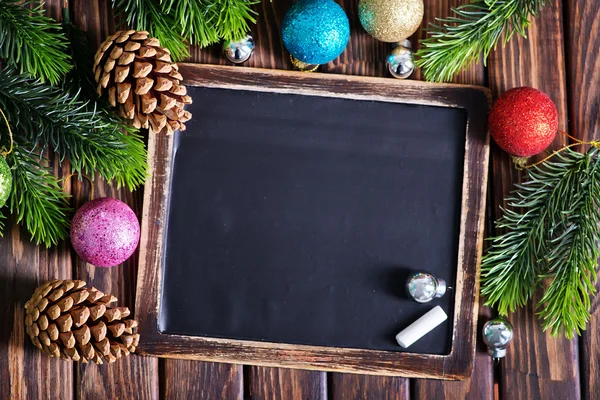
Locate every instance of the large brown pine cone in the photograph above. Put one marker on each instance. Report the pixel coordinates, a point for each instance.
(137, 76)
(67, 320)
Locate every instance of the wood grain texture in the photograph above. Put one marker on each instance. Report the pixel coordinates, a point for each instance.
(582, 32)
(480, 384)
(282, 383)
(25, 372)
(201, 380)
(537, 365)
(223, 381)
(363, 56)
(134, 376)
(359, 387)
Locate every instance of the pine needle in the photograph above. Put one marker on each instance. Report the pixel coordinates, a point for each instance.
(178, 22)
(231, 17)
(195, 21)
(32, 42)
(474, 30)
(148, 15)
(91, 140)
(37, 199)
(551, 232)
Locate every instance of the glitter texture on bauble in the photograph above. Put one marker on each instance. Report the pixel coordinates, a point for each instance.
(315, 31)
(523, 121)
(105, 232)
(390, 20)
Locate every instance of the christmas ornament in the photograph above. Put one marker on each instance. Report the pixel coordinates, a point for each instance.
(239, 51)
(497, 335)
(105, 232)
(5, 181)
(315, 31)
(400, 61)
(65, 319)
(523, 121)
(137, 76)
(424, 287)
(390, 20)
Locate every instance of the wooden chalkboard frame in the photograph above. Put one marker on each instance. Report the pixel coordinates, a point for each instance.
(457, 364)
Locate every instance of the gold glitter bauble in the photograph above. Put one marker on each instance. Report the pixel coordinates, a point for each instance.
(390, 20)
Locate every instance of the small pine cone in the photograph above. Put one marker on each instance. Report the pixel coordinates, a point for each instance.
(65, 319)
(137, 76)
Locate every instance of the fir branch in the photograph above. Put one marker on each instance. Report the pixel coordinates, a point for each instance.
(574, 257)
(200, 22)
(37, 199)
(552, 231)
(45, 116)
(31, 41)
(195, 21)
(231, 17)
(148, 15)
(455, 42)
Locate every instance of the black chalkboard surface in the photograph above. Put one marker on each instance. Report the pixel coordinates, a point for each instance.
(294, 219)
(283, 223)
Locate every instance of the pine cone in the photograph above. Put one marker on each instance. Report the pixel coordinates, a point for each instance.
(67, 320)
(137, 76)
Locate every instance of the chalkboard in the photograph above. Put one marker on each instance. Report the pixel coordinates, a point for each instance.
(295, 206)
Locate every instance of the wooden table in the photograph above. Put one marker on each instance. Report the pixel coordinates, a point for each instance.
(560, 57)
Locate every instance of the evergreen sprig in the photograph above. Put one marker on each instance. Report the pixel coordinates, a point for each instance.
(176, 22)
(46, 116)
(37, 199)
(475, 29)
(31, 41)
(551, 231)
(148, 15)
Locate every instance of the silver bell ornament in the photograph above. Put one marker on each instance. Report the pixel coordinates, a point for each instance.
(239, 51)
(497, 335)
(400, 61)
(424, 287)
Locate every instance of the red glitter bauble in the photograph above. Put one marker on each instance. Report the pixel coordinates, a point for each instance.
(523, 121)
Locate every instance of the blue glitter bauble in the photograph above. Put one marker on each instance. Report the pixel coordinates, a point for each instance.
(315, 31)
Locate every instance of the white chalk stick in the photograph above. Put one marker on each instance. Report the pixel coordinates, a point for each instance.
(421, 327)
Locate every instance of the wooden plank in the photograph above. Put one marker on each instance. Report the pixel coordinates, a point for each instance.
(269, 53)
(202, 380)
(357, 387)
(24, 370)
(537, 365)
(481, 382)
(364, 56)
(134, 376)
(215, 380)
(583, 74)
(283, 383)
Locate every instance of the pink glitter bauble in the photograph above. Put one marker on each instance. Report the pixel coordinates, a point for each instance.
(105, 232)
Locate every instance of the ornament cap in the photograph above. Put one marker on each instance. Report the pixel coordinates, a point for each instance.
(497, 353)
